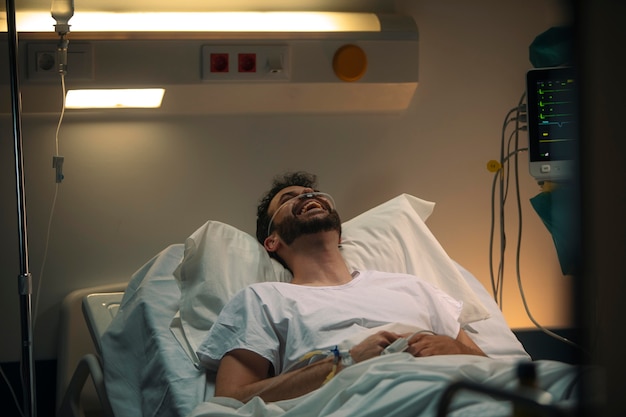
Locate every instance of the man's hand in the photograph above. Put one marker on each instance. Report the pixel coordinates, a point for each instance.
(425, 344)
(373, 345)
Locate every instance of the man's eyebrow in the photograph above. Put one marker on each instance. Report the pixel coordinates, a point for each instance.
(287, 196)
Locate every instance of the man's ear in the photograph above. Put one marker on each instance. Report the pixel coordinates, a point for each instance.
(271, 243)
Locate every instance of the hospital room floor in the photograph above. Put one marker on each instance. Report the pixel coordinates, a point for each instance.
(45, 379)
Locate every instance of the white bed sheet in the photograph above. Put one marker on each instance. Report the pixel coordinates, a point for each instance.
(147, 373)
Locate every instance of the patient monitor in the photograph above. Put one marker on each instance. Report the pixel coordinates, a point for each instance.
(552, 122)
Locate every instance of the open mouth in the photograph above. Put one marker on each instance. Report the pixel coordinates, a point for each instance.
(307, 205)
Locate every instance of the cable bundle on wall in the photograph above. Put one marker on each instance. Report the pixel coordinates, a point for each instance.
(501, 181)
(503, 175)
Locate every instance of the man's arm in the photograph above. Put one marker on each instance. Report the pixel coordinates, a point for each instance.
(424, 344)
(244, 374)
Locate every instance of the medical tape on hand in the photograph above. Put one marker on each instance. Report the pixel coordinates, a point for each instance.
(401, 344)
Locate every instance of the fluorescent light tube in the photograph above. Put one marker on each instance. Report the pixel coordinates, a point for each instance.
(114, 98)
(204, 22)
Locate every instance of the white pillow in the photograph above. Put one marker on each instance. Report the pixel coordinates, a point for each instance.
(219, 260)
(393, 237)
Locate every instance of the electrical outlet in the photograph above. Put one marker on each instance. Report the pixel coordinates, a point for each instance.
(219, 62)
(42, 64)
(244, 62)
(247, 62)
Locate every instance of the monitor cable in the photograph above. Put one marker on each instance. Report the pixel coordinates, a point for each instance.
(502, 177)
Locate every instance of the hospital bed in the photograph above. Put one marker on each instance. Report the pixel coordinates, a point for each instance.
(146, 336)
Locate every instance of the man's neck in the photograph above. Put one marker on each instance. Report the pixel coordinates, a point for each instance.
(317, 262)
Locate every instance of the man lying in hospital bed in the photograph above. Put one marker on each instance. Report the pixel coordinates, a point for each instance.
(263, 333)
(220, 262)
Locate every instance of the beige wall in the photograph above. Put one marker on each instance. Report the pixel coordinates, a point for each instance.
(135, 185)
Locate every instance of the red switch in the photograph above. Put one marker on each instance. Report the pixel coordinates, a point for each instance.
(247, 62)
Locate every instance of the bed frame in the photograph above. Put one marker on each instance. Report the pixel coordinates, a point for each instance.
(80, 355)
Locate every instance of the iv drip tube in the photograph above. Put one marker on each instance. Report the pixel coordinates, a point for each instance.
(24, 279)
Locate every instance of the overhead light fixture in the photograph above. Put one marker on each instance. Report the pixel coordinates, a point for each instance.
(205, 22)
(118, 98)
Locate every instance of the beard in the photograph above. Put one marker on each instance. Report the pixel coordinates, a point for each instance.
(292, 227)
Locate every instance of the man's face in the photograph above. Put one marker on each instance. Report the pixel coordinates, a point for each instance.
(299, 211)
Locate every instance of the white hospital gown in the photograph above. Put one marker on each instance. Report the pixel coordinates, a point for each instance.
(282, 321)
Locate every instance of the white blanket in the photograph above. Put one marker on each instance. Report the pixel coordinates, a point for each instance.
(146, 371)
(400, 385)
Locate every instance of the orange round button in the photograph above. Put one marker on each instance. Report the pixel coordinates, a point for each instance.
(350, 63)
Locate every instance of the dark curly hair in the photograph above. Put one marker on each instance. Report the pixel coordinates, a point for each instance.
(299, 178)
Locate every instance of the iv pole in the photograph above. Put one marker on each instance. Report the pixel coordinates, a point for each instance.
(24, 279)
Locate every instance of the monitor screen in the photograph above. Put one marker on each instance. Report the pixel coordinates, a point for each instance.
(552, 122)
